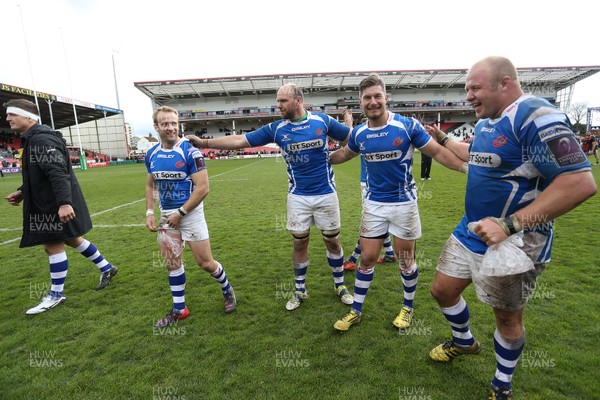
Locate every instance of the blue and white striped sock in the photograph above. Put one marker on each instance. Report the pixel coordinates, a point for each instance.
(300, 276)
(458, 315)
(221, 277)
(387, 245)
(90, 251)
(508, 352)
(177, 283)
(410, 277)
(336, 263)
(364, 277)
(356, 253)
(58, 273)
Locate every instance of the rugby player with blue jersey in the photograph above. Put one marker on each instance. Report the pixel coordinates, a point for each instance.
(312, 197)
(386, 142)
(525, 170)
(389, 256)
(177, 171)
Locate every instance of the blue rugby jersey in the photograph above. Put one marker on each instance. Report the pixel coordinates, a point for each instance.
(387, 152)
(512, 159)
(304, 147)
(363, 170)
(172, 170)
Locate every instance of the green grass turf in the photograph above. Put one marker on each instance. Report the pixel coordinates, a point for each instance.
(102, 345)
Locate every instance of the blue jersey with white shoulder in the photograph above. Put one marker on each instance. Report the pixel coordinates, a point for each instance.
(304, 147)
(512, 159)
(387, 152)
(172, 170)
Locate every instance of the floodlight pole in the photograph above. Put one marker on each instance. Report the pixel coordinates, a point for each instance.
(107, 137)
(115, 78)
(35, 97)
(81, 153)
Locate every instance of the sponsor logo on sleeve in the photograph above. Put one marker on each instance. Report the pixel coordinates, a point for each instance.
(199, 160)
(566, 150)
(552, 132)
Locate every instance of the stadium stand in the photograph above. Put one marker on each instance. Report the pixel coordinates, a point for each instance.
(214, 107)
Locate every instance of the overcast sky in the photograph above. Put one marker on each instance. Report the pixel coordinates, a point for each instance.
(159, 40)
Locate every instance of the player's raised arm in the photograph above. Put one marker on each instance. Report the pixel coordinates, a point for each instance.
(444, 156)
(461, 150)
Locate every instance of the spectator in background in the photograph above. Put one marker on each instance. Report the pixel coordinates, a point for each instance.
(54, 210)
(590, 145)
(425, 167)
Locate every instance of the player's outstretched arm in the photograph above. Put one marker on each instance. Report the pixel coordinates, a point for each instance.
(444, 156)
(341, 155)
(232, 142)
(461, 150)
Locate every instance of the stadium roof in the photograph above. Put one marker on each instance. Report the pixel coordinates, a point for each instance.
(165, 91)
(61, 107)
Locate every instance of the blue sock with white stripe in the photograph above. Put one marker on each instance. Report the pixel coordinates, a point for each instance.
(177, 283)
(336, 263)
(300, 276)
(387, 245)
(356, 253)
(363, 280)
(90, 251)
(508, 352)
(58, 273)
(221, 277)
(410, 277)
(458, 316)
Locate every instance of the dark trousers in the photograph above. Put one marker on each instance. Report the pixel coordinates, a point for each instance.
(425, 166)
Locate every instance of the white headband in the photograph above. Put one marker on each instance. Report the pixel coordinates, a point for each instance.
(20, 111)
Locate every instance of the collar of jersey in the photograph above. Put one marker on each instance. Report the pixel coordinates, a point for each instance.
(303, 118)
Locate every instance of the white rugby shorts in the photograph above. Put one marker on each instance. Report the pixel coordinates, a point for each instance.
(509, 293)
(192, 227)
(400, 219)
(323, 211)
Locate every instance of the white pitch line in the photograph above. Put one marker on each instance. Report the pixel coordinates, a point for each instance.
(115, 208)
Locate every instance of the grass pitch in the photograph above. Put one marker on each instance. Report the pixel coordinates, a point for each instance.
(102, 345)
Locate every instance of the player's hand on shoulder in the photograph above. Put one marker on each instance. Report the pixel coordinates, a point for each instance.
(195, 140)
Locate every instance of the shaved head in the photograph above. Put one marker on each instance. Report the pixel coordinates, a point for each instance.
(498, 68)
